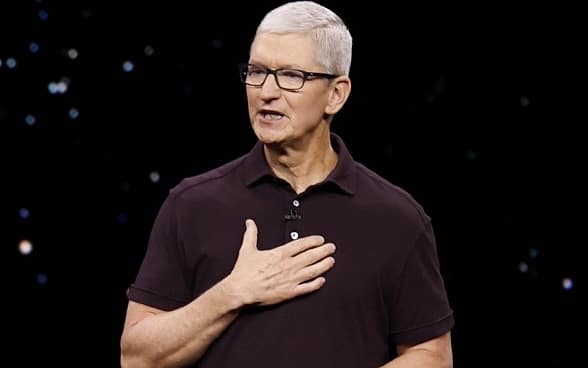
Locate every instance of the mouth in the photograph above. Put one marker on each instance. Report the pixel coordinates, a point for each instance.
(270, 115)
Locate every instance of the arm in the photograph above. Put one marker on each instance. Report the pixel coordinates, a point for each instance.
(434, 353)
(154, 338)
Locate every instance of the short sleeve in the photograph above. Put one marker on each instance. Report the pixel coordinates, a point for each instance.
(161, 281)
(421, 309)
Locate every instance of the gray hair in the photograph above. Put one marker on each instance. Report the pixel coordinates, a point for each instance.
(327, 29)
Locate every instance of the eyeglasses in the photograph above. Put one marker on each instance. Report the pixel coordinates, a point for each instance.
(287, 79)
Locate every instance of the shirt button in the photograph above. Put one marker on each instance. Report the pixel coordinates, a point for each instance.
(294, 235)
(296, 203)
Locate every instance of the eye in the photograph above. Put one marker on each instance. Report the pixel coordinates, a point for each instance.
(255, 71)
(293, 74)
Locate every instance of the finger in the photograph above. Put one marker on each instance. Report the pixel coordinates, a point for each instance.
(308, 287)
(313, 255)
(316, 269)
(250, 236)
(300, 245)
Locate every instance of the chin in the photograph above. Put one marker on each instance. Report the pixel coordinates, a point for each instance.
(269, 138)
(267, 135)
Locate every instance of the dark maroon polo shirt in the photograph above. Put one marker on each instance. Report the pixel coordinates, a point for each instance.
(385, 288)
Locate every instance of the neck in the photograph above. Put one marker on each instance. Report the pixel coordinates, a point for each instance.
(303, 163)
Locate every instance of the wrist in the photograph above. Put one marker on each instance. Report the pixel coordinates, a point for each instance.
(232, 293)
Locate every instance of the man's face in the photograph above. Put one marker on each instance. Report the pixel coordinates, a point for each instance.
(277, 115)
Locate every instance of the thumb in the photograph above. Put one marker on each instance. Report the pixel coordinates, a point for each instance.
(250, 236)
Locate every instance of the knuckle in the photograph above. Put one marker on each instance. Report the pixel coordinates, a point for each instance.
(278, 252)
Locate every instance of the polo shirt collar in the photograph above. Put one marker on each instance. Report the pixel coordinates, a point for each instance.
(344, 175)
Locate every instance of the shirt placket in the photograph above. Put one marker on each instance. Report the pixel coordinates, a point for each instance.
(293, 219)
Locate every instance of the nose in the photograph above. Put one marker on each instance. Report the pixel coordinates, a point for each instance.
(270, 88)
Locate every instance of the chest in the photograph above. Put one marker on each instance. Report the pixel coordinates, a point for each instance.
(370, 244)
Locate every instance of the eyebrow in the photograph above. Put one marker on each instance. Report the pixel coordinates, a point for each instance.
(287, 66)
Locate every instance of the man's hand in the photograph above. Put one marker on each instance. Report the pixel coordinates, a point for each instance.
(264, 277)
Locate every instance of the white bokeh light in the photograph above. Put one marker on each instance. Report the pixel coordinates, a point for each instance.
(154, 176)
(24, 213)
(11, 63)
(30, 120)
(59, 87)
(73, 113)
(128, 66)
(148, 50)
(34, 47)
(41, 279)
(72, 54)
(25, 247)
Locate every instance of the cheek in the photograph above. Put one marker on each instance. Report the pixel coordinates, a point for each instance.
(250, 104)
(310, 107)
(250, 98)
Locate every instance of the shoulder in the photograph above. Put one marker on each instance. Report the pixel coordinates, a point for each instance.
(209, 181)
(388, 196)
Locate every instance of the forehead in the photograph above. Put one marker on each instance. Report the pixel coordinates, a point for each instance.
(281, 50)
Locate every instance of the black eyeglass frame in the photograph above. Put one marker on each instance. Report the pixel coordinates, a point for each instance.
(244, 68)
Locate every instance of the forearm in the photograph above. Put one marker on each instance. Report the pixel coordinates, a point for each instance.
(180, 337)
(434, 353)
(421, 359)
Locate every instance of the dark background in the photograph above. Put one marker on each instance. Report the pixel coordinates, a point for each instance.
(474, 110)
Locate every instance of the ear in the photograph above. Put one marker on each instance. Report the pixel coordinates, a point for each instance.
(338, 93)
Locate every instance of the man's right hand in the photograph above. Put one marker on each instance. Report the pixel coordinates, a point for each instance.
(264, 277)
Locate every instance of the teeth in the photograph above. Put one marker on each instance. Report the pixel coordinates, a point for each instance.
(272, 116)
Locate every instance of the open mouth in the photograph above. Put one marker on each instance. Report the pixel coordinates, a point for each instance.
(270, 115)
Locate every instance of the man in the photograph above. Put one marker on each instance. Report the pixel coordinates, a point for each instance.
(335, 268)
